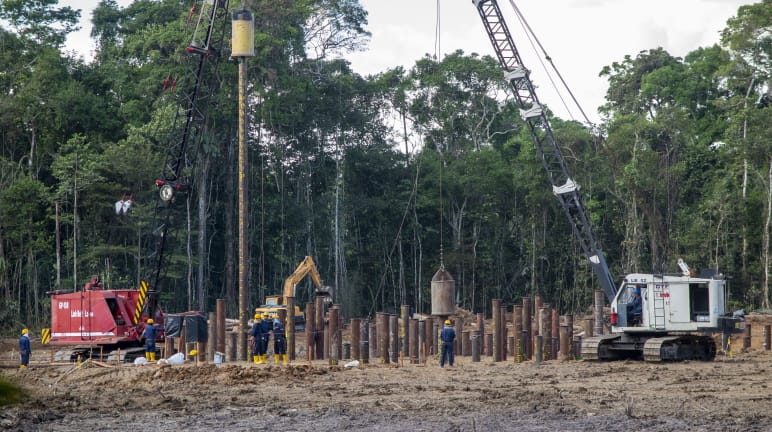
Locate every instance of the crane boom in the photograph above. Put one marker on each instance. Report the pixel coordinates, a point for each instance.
(535, 117)
(198, 86)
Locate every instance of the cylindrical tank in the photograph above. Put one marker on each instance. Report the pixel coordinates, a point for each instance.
(443, 293)
(243, 40)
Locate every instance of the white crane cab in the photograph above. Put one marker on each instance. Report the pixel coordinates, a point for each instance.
(669, 303)
(673, 317)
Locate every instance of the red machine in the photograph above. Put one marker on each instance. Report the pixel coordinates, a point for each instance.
(97, 316)
(106, 319)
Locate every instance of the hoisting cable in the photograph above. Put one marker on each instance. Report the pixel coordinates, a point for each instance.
(437, 36)
(410, 200)
(530, 33)
(442, 257)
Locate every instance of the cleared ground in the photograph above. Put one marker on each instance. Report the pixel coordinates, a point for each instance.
(724, 395)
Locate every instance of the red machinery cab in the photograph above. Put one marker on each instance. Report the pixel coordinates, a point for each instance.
(99, 316)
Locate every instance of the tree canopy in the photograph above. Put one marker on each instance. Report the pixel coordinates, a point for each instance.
(380, 178)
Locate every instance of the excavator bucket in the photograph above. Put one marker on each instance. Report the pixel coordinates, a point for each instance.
(326, 292)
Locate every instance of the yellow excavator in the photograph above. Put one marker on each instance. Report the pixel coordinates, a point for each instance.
(275, 303)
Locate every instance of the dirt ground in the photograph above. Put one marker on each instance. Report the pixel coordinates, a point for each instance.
(723, 395)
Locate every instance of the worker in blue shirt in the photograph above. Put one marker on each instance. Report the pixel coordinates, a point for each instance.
(634, 307)
(256, 339)
(267, 326)
(279, 342)
(24, 348)
(150, 333)
(448, 335)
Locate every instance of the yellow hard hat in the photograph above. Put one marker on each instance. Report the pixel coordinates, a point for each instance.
(150, 320)
(265, 314)
(257, 316)
(24, 331)
(193, 352)
(447, 322)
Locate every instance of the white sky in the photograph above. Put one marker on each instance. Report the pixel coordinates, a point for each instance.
(581, 36)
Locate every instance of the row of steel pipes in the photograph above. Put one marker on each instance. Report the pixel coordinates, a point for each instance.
(531, 330)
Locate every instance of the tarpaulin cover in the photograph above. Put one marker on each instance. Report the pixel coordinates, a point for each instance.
(173, 325)
(195, 327)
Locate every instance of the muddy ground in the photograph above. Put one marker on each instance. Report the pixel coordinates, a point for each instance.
(724, 395)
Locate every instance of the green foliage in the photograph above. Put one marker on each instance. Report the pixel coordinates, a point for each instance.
(375, 177)
(10, 393)
(39, 21)
(77, 166)
(24, 215)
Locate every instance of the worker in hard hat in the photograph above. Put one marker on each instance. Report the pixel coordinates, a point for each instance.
(24, 348)
(634, 307)
(266, 335)
(256, 339)
(448, 335)
(150, 333)
(279, 342)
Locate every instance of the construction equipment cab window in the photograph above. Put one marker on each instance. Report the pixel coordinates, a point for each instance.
(634, 304)
(699, 302)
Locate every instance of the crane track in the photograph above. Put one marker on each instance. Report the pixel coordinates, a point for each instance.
(593, 347)
(679, 348)
(654, 349)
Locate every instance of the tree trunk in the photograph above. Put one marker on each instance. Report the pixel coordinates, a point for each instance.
(58, 247)
(202, 221)
(456, 222)
(534, 291)
(75, 231)
(475, 240)
(189, 253)
(767, 225)
(5, 286)
(340, 257)
(33, 141)
(417, 260)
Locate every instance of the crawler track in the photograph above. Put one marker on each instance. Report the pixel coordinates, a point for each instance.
(127, 354)
(650, 348)
(679, 348)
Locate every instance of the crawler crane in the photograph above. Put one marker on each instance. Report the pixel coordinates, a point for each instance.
(679, 312)
(97, 320)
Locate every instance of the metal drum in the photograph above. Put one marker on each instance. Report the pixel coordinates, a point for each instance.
(443, 293)
(243, 39)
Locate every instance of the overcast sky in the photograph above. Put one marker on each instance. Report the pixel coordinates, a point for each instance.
(581, 36)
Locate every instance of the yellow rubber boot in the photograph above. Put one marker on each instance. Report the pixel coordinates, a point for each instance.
(261, 359)
(254, 359)
(284, 358)
(276, 358)
(22, 367)
(152, 356)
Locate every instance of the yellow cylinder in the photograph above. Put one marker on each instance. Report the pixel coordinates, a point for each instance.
(243, 40)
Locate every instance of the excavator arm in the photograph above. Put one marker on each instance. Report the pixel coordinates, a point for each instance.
(306, 267)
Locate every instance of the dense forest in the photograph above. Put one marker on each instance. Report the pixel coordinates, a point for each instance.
(379, 178)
